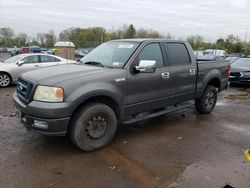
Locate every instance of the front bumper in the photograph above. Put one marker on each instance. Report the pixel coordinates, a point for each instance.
(45, 118)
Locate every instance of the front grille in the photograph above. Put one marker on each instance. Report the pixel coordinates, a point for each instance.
(24, 90)
(237, 74)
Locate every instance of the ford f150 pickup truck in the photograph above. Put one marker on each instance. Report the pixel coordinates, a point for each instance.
(119, 82)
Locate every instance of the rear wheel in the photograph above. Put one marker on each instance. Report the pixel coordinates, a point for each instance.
(93, 127)
(5, 79)
(207, 102)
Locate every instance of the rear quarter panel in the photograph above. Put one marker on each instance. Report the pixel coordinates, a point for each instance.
(208, 70)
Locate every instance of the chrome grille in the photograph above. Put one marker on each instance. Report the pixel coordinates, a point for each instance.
(24, 90)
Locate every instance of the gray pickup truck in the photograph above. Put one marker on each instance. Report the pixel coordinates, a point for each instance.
(119, 82)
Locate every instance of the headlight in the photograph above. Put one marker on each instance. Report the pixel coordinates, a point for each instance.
(48, 94)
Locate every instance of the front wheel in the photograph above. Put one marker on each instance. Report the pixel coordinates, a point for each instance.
(93, 127)
(207, 102)
(5, 79)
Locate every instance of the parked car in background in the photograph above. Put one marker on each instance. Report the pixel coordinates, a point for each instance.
(50, 51)
(237, 55)
(24, 50)
(198, 54)
(240, 71)
(35, 49)
(11, 68)
(231, 59)
(216, 52)
(44, 50)
(79, 53)
(3, 49)
(210, 57)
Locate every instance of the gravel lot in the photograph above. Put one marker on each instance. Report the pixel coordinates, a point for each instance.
(183, 149)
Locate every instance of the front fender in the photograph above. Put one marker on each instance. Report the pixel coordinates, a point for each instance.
(86, 92)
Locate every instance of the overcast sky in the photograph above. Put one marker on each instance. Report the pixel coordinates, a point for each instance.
(209, 18)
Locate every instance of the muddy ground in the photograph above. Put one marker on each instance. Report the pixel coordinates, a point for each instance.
(183, 149)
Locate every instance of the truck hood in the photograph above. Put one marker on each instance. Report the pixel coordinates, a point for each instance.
(56, 74)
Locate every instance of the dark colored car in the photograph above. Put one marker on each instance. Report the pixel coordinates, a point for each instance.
(35, 49)
(231, 59)
(240, 71)
(121, 81)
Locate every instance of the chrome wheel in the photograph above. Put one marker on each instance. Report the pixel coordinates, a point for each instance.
(4, 80)
(210, 99)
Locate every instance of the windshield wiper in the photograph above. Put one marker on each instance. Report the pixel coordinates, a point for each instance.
(94, 63)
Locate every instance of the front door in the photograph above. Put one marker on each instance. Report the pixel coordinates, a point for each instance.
(28, 63)
(147, 91)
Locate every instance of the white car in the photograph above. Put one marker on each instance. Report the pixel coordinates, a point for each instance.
(11, 68)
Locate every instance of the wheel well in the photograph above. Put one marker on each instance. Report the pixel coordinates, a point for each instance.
(102, 99)
(215, 82)
(7, 74)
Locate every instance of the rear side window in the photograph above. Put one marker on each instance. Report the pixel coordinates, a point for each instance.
(152, 52)
(177, 54)
(46, 59)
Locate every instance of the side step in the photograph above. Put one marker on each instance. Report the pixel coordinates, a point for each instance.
(167, 110)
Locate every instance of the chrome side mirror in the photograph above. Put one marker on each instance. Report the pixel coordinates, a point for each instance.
(146, 66)
(19, 63)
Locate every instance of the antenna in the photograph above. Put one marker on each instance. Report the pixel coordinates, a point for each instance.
(245, 41)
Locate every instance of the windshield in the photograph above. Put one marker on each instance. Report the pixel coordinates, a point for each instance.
(14, 59)
(111, 54)
(242, 62)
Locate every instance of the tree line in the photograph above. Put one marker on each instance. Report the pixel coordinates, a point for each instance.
(92, 37)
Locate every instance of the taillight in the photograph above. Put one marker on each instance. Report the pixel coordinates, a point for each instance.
(229, 70)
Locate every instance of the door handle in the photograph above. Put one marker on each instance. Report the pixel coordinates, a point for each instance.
(37, 66)
(192, 72)
(165, 75)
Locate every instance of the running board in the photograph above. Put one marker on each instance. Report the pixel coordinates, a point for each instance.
(167, 110)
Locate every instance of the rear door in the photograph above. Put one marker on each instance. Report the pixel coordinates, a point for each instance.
(46, 61)
(182, 72)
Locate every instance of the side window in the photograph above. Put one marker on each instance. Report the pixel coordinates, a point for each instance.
(177, 54)
(152, 52)
(31, 59)
(46, 58)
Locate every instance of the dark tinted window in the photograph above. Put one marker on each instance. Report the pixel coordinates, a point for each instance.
(31, 59)
(177, 54)
(152, 52)
(46, 58)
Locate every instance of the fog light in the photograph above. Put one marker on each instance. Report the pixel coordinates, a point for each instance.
(40, 124)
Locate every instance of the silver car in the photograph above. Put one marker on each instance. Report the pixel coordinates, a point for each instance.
(11, 68)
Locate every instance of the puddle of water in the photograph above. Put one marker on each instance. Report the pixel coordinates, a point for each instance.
(221, 103)
(242, 129)
(241, 96)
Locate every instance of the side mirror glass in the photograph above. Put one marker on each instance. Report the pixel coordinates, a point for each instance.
(19, 63)
(146, 66)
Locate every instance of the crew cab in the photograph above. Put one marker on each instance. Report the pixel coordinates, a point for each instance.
(119, 82)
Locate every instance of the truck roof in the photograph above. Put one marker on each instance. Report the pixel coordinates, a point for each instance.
(148, 39)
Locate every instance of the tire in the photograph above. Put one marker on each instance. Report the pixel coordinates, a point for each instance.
(233, 84)
(93, 127)
(207, 102)
(5, 79)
